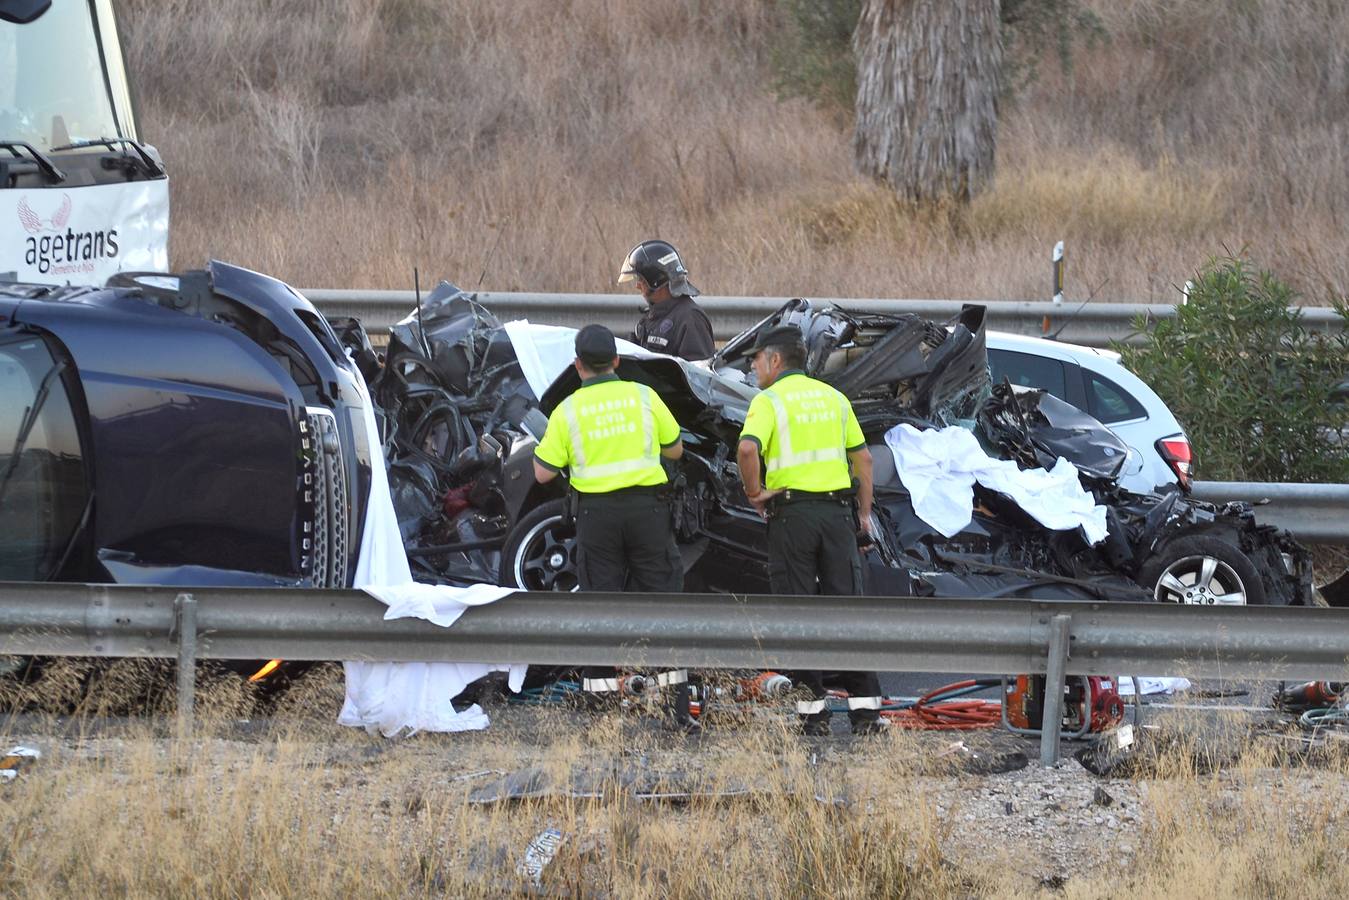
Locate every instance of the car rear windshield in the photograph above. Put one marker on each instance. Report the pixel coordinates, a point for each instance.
(43, 489)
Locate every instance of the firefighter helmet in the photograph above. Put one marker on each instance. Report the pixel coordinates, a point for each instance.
(657, 263)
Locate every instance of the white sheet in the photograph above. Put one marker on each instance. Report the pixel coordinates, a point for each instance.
(1152, 685)
(545, 351)
(394, 697)
(940, 466)
(388, 697)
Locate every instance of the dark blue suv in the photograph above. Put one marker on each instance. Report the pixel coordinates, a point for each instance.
(196, 429)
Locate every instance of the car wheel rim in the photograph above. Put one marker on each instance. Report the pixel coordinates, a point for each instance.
(546, 558)
(1200, 581)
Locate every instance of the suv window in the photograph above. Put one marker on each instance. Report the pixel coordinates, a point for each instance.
(1028, 370)
(1108, 403)
(43, 491)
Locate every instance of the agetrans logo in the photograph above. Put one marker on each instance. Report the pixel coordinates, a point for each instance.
(33, 223)
(56, 248)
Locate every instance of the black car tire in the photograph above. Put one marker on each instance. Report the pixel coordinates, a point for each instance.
(1176, 573)
(540, 551)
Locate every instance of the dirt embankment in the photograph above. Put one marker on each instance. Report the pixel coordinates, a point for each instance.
(339, 144)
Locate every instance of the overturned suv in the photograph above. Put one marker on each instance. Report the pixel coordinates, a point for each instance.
(466, 400)
(197, 429)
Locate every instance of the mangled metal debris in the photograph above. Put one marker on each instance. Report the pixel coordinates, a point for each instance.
(464, 404)
(539, 854)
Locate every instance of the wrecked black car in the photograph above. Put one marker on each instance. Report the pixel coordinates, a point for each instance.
(195, 429)
(466, 399)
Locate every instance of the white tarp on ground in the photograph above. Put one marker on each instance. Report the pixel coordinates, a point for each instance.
(391, 697)
(939, 467)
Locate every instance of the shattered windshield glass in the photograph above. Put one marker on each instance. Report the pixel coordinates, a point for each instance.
(53, 88)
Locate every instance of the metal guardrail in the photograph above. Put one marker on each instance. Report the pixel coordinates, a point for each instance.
(1094, 325)
(1314, 513)
(683, 630)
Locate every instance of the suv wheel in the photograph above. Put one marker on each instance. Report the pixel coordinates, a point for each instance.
(1203, 570)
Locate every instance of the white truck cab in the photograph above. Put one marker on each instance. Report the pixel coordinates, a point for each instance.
(81, 198)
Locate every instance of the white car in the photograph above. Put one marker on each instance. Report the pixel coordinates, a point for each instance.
(1095, 382)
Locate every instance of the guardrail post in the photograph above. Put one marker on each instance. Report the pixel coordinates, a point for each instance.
(1052, 723)
(185, 622)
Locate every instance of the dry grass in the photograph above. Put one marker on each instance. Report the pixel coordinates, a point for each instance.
(338, 143)
(311, 809)
(306, 808)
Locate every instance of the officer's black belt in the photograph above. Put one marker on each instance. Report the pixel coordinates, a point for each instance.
(791, 495)
(637, 490)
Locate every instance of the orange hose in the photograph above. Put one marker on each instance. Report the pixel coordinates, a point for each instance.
(962, 715)
(950, 715)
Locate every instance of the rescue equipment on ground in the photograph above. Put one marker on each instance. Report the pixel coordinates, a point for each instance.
(1308, 695)
(1091, 705)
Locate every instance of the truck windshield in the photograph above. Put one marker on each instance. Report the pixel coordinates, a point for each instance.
(43, 490)
(54, 86)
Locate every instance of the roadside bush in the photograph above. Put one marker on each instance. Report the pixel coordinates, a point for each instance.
(1254, 387)
(813, 58)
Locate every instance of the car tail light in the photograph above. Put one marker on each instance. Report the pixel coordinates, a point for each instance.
(1176, 452)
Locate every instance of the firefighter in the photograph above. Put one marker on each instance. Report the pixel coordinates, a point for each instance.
(806, 437)
(610, 436)
(672, 323)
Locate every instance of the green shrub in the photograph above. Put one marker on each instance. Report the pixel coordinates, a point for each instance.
(1035, 29)
(1253, 386)
(812, 54)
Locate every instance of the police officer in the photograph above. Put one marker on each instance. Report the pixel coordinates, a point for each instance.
(806, 435)
(610, 435)
(672, 323)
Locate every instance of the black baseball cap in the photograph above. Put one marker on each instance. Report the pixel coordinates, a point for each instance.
(595, 344)
(777, 336)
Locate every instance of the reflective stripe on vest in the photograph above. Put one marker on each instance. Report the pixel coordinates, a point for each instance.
(785, 458)
(584, 471)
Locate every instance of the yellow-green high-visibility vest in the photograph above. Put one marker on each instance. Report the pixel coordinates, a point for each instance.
(609, 435)
(804, 429)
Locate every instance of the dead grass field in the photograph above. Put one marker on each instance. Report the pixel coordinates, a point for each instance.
(339, 143)
(303, 807)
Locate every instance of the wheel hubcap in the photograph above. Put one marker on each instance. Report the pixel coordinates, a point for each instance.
(1201, 580)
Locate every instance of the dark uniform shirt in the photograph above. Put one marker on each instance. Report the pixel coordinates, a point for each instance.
(677, 326)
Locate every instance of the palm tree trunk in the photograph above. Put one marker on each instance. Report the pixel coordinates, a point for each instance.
(927, 95)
